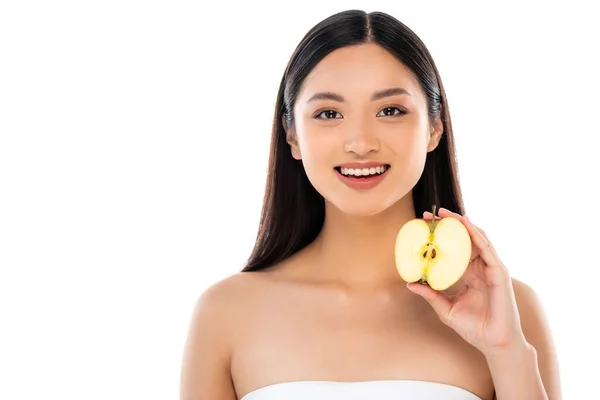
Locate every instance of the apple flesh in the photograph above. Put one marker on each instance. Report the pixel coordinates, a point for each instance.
(436, 252)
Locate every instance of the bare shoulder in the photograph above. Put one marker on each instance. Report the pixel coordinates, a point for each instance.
(221, 303)
(227, 291)
(205, 371)
(537, 331)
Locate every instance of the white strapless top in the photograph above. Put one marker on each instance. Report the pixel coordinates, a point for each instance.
(363, 390)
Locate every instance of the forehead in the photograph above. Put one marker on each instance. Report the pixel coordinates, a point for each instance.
(358, 71)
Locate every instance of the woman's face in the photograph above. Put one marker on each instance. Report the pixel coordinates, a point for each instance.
(361, 105)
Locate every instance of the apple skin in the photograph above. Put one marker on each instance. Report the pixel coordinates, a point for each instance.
(438, 258)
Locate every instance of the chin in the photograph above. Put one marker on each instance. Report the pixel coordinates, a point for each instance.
(362, 208)
(361, 203)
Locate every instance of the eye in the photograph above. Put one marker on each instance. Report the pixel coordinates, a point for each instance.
(329, 114)
(390, 112)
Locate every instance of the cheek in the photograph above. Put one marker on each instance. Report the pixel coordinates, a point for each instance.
(317, 161)
(418, 145)
(319, 153)
(408, 144)
(317, 147)
(410, 155)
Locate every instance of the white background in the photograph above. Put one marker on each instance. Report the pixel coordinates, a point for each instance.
(133, 146)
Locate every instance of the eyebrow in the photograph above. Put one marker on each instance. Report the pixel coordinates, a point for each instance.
(376, 96)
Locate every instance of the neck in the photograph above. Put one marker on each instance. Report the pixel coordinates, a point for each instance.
(359, 251)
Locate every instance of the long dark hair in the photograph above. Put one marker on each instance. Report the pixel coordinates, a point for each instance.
(293, 211)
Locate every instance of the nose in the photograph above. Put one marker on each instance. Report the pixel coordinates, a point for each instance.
(361, 140)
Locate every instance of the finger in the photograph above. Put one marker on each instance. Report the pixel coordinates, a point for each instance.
(428, 215)
(499, 274)
(486, 251)
(486, 238)
(438, 300)
(442, 213)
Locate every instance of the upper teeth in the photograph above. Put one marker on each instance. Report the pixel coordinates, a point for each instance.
(363, 171)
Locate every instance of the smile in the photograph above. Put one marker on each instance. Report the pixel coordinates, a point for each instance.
(363, 172)
(362, 178)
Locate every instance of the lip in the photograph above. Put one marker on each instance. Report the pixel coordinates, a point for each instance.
(369, 164)
(361, 183)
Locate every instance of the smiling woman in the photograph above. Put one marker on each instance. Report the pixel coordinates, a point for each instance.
(362, 143)
(374, 112)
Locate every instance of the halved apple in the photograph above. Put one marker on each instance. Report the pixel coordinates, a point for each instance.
(436, 252)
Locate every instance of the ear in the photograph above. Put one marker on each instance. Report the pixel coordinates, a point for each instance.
(437, 130)
(291, 139)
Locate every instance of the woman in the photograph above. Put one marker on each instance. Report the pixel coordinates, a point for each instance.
(362, 143)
